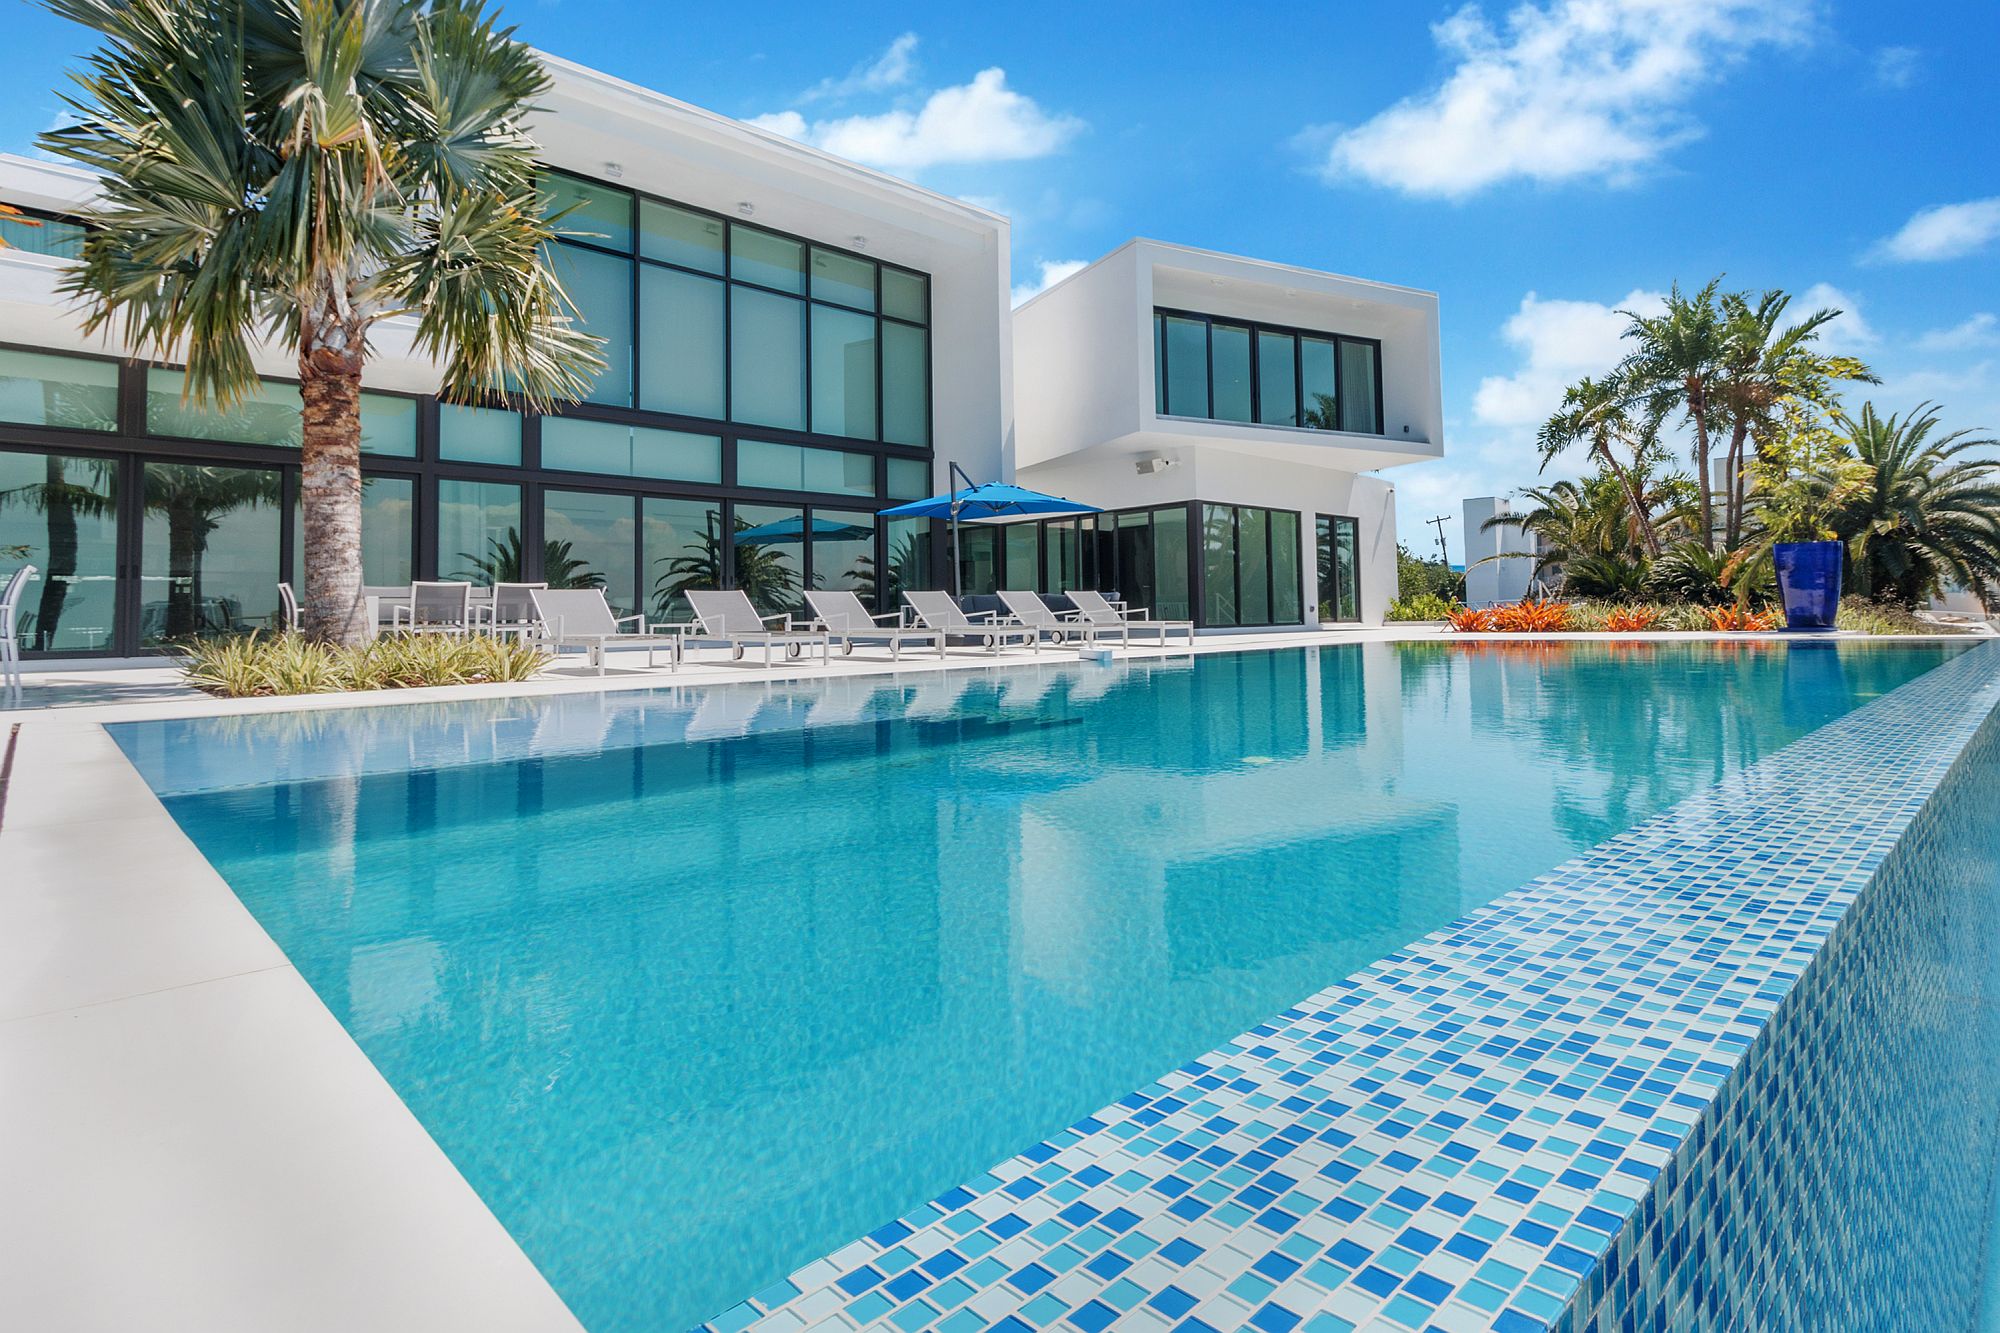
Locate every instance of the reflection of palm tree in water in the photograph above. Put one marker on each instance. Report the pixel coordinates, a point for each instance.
(61, 502)
(194, 498)
(506, 561)
(763, 571)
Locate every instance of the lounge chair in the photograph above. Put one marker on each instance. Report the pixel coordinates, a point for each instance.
(727, 616)
(288, 609)
(581, 618)
(1093, 608)
(511, 610)
(10, 626)
(936, 610)
(435, 608)
(1029, 609)
(849, 623)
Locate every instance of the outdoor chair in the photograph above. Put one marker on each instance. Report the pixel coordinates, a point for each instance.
(727, 616)
(435, 608)
(10, 625)
(936, 610)
(510, 610)
(849, 623)
(581, 618)
(1029, 609)
(288, 609)
(1093, 607)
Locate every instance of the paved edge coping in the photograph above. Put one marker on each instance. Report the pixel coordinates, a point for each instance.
(1453, 1137)
(190, 1139)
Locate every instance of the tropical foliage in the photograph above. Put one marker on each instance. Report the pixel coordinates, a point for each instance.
(1926, 511)
(251, 665)
(505, 561)
(1422, 607)
(297, 173)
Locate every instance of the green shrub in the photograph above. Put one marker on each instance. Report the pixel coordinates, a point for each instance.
(1866, 617)
(257, 665)
(1416, 576)
(1593, 616)
(1423, 606)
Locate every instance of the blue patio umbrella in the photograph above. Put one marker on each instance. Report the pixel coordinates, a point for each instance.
(791, 530)
(993, 499)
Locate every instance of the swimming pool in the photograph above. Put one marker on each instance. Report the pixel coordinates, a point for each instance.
(695, 986)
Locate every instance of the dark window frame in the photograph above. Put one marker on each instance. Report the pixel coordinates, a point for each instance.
(1163, 371)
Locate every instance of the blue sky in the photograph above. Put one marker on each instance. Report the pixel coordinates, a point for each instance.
(1538, 166)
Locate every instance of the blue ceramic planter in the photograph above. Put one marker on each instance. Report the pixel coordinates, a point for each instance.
(1808, 583)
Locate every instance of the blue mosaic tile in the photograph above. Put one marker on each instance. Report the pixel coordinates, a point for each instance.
(1584, 1107)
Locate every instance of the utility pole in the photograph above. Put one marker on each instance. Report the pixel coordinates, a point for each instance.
(1444, 552)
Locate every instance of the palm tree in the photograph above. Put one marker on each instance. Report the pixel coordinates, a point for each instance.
(1574, 520)
(298, 173)
(1764, 367)
(1676, 363)
(1928, 512)
(1596, 413)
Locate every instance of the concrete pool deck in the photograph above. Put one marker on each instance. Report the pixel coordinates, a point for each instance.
(190, 1139)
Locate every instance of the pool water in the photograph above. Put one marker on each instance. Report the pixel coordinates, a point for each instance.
(697, 986)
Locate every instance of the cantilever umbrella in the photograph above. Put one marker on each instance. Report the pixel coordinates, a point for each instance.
(786, 531)
(993, 499)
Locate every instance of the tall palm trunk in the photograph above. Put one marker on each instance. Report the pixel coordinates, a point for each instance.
(1737, 502)
(1637, 501)
(330, 358)
(1697, 408)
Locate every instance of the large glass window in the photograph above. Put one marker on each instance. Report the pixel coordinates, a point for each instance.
(767, 260)
(572, 444)
(683, 551)
(1225, 371)
(843, 551)
(843, 373)
(909, 479)
(1277, 379)
(767, 361)
(479, 435)
(42, 236)
(479, 532)
(1339, 568)
(37, 389)
(60, 514)
(1250, 566)
(1170, 599)
(678, 236)
(793, 467)
(1229, 351)
(682, 317)
(599, 214)
(208, 560)
(906, 373)
(589, 540)
(600, 286)
(1187, 366)
(1022, 544)
(843, 279)
(909, 564)
(270, 414)
(1062, 555)
(770, 556)
(906, 295)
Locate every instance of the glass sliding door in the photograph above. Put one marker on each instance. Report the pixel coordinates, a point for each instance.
(60, 514)
(682, 552)
(209, 553)
(479, 533)
(1134, 542)
(1218, 565)
(1251, 566)
(1359, 403)
(590, 540)
(1022, 556)
(1287, 567)
(909, 542)
(770, 556)
(1339, 569)
(843, 551)
(1170, 598)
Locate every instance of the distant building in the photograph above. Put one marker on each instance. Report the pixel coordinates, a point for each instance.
(1490, 581)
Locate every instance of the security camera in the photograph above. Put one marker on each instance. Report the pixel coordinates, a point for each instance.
(1149, 466)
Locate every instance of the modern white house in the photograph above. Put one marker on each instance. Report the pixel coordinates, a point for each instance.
(795, 342)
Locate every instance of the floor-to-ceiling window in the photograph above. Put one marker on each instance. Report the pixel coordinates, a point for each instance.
(1251, 564)
(1338, 543)
(1230, 370)
(209, 556)
(59, 513)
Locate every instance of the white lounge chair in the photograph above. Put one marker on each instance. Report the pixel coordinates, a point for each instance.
(10, 625)
(849, 623)
(435, 608)
(581, 618)
(1094, 608)
(936, 610)
(1029, 609)
(726, 615)
(510, 610)
(288, 609)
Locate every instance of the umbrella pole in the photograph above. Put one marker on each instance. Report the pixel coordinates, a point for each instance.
(953, 475)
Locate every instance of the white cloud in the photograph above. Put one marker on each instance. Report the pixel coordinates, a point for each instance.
(1565, 90)
(1898, 66)
(1049, 273)
(1944, 232)
(1848, 331)
(1980, 330)
(980, 121)
(891, 69)
(1559, 342)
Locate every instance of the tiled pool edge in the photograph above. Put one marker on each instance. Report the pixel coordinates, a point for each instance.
(1453, 1137)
